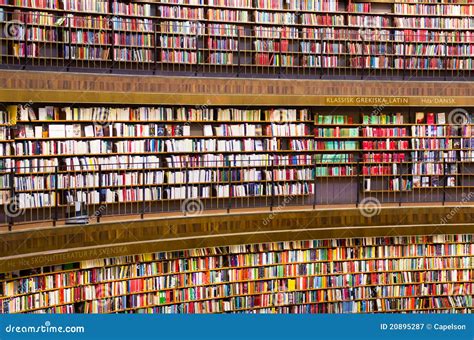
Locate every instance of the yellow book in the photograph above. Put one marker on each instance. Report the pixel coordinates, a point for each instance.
(291, 285)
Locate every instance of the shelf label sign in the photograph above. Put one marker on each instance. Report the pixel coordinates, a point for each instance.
(367, 101)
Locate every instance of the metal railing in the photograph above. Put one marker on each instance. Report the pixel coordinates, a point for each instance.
(52, 193)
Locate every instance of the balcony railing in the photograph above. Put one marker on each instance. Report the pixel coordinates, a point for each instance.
(56, 193)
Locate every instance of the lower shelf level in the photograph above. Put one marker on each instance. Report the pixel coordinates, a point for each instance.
(419, 274)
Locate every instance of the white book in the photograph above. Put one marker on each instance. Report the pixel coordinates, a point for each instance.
(208, 131)
(250, 130)
(29, 132)
(367, 184)
(89, 131)
(186, 130)
(57, 131)
(68, 112)
(42, 113)
(70, 131)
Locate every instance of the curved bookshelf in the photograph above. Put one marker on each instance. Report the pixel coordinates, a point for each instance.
(208, 38)
(421, 274)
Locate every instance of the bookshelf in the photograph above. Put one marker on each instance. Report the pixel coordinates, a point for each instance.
(438, 146)
(385, 145)
(137, 159)
(448, 25)
(360, 275)
(298, 38)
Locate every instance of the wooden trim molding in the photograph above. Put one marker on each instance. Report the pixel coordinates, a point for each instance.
(53, 87)
(58, 245)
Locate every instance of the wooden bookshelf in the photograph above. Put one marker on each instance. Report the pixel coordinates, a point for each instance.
(54, 156)
(296, 275)
(325, 38)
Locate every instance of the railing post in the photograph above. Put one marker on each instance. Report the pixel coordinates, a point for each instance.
(314, 183)
(272, 184)
(197, 48)
(401, 185)
(229, 179)
(445, 180)
(363, 56)
(56, 195)
(142, 215)
(446, 56)
(99, 212)
(279, 55)
(157, 41)
(238, 51)
(12, 199)
(321, 53)
(358, 181)
(186, 181)
(69, 42)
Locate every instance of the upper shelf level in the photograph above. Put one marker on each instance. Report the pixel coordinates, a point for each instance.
(318, 39)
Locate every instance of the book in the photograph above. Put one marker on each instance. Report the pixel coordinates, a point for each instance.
(89, 131)
(420, 117)
(430, 118)
(57, 131)
(441, 118)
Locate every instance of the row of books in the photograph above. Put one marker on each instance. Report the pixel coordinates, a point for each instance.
(153, 279)
(32, 183)
(137, 9)
(84, 163)
(172, 273)
(99, 6)
(309, 5)
(387, 280)
(185, 42)
(227, 306)
(421, 160)
(105, 162)
(45, 198)
(433, 22)
(109, 129)
(438, 9)
(385, 298)
(77, 147)
(228, 15)
(132, 24)
(178, 12)
(434, 36)
(237, 160)
(50, 199)
(153, 180)
(372, 21)
(99, 114)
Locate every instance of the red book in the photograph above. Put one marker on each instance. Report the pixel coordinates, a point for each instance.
(430, 118)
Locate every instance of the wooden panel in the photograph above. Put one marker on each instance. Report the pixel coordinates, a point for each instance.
(40, 87)
(57, 245)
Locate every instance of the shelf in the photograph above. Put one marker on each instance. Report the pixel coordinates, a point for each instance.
(329, 260)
